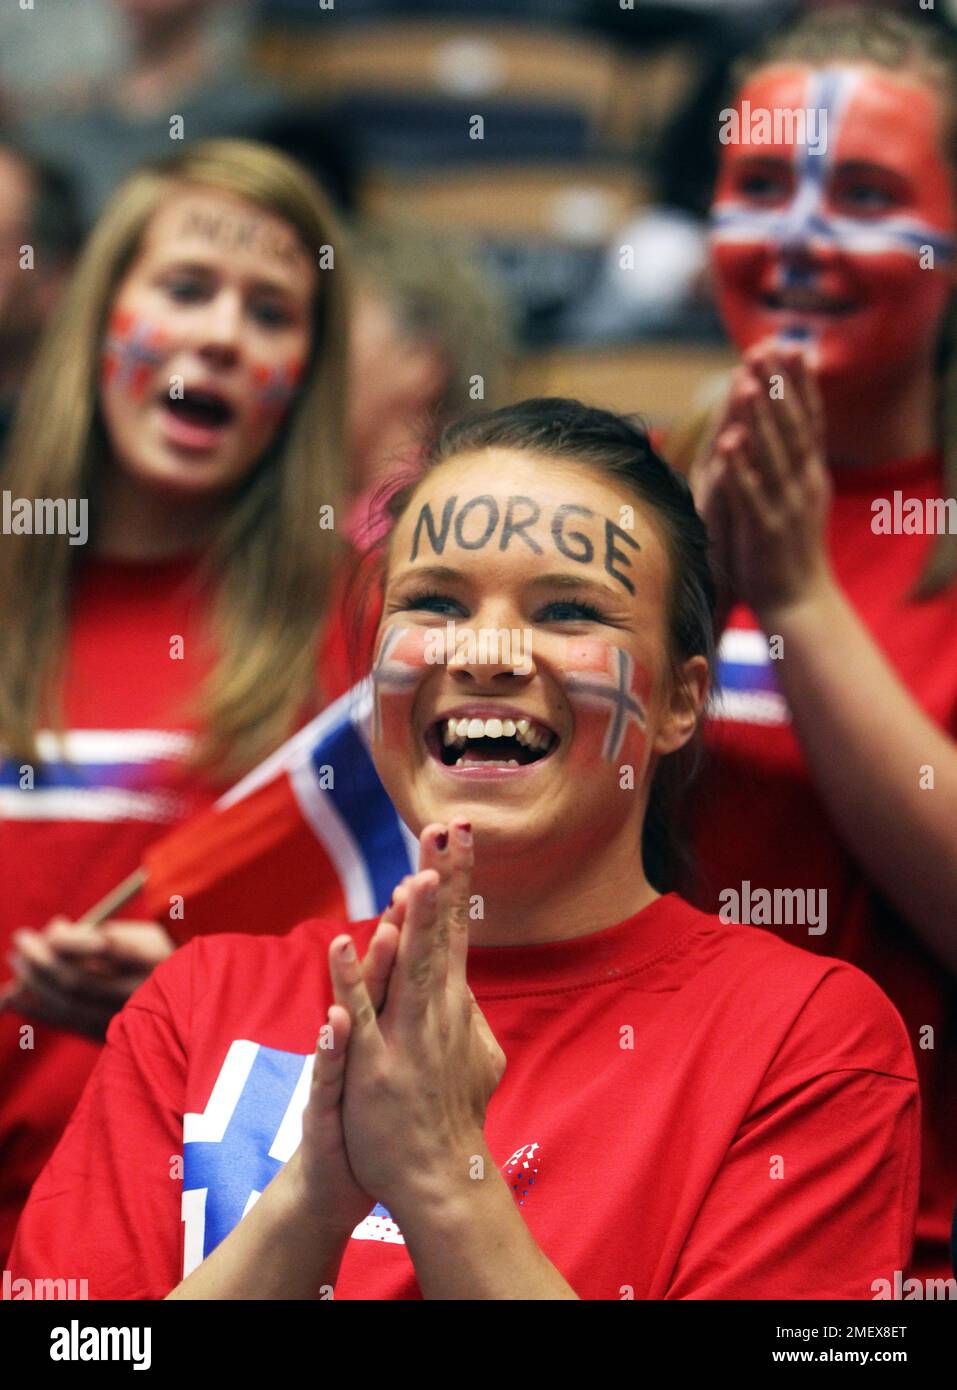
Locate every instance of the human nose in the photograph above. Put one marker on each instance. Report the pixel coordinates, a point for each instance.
(804, 232)
(494, 645)
(218, 330)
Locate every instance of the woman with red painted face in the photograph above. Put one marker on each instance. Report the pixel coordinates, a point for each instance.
(834, 766)
(548, 1078)
(184, 415)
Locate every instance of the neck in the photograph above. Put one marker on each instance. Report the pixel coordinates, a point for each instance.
(523, 903)
(133, 524)
(870, 423)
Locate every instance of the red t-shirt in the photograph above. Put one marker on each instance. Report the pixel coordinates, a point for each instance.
(689, 1110)
(759, 819)
(135, 657)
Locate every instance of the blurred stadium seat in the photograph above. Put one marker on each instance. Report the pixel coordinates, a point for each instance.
(310, 11)
(544, 226)
(650, 88)
(577, 204)
(658, 381)
(517, 64)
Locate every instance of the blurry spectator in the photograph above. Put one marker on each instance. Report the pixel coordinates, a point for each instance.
(185, 59)
(655, 280)
(430, 339)
(183, 629)
(53, 55)
(39, 222)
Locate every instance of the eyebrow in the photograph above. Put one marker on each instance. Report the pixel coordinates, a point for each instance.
(842, 166)
(558, 580)
(191, 267)
(867, 166)
(561, 580)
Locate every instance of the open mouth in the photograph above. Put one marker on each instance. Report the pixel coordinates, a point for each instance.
(204, 409)
(807, 302)
(468, 741)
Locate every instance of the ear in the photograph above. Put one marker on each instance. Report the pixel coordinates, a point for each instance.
(683, 710)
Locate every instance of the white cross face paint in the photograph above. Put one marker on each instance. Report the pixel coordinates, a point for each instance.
(527, 740)
(132, 352)
(847, 246)
(607, 691)
(398, 669)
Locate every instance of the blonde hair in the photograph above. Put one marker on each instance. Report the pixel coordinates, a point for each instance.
(860, 34)
(269, 566)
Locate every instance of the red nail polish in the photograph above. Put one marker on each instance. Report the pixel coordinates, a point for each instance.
(441, 840)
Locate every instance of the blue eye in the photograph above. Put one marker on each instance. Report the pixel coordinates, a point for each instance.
(185, 291)
(574, 608)
(271, 315)
(431, 601)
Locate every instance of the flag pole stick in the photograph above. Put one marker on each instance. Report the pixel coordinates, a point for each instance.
(98, 913)
(116, 898)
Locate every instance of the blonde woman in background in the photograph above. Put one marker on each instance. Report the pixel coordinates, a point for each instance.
(185, 408)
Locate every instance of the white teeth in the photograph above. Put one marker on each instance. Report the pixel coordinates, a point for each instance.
(458, 730)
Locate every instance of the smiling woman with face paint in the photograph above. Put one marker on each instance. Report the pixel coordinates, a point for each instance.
(188, 400)
(834, 764)
(547, 1079)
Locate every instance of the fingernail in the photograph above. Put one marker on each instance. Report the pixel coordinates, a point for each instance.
(348, 952)
(463, 832)
(442, 840)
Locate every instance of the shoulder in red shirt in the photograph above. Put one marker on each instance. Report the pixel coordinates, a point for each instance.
(690, 1109)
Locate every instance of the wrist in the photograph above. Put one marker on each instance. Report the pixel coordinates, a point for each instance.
(814, 602)
(301, 1205)
(445, 1192)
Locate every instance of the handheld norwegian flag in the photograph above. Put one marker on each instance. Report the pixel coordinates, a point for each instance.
(310, 832)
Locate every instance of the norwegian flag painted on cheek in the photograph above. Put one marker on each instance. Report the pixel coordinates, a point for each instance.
(607, 689)
(132, 352)
(608, 692)
(399, 665)
(274, 387)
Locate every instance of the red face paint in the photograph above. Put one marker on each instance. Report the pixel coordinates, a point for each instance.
(609, 694)
(398, 668)
(131, 353)
(847, 249)
(606, 688)
(274, 388)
